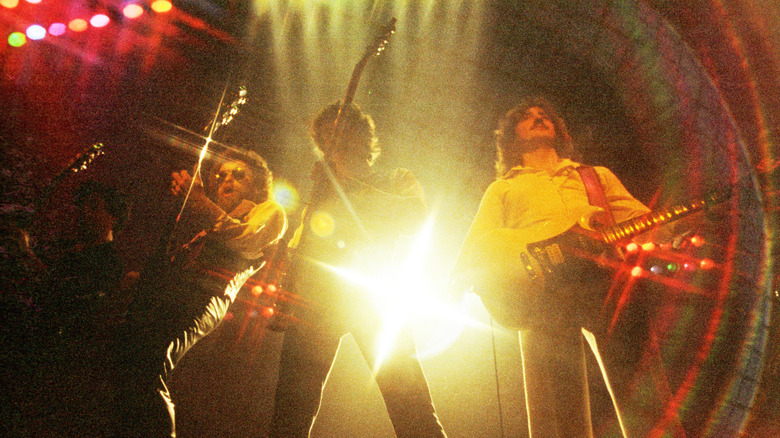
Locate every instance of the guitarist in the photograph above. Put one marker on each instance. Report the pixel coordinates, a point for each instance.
(183, 295)
(539, 188)
(356, 221)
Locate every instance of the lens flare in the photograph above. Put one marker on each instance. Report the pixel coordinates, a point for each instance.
(405, 296)
(286, 195)
(322, 224)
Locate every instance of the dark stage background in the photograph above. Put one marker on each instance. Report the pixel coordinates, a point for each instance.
(677, 97)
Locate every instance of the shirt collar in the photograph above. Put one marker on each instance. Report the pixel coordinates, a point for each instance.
(563, 164)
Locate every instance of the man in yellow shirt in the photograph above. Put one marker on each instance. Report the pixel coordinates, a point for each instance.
(540, 193)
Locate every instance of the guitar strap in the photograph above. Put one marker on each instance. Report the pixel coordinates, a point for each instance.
(595, 191)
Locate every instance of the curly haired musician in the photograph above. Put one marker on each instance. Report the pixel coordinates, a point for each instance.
(355, 222)
(540, 191)
(182, 298)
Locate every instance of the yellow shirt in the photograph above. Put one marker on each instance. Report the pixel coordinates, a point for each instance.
(549, 204)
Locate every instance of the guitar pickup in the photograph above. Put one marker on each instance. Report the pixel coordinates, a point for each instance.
(554, 254)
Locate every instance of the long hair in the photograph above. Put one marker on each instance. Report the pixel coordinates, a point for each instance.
(357, 135)
(508, 155)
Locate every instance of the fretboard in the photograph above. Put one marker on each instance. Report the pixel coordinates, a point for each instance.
(640, 224)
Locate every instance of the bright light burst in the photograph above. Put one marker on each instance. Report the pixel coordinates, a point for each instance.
(404, 295)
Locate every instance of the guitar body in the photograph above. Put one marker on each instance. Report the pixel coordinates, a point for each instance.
(548, 271)
(516, 272)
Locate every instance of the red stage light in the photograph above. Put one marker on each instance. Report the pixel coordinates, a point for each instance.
(268, 312)
(57, 29)
(707, 264)
(133, 11)
(697, 241)
(36, 32)
(78, 25)
(99, 20)
(17, 39)
(162, 6)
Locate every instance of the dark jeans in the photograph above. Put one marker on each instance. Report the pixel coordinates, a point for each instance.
(152, 350)
(307, 354)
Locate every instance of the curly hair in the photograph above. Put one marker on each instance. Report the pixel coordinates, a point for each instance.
(357, 136)
(262, 175)
(508, 155)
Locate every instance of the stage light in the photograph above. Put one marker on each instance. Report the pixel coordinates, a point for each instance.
(34, 2)
(256, 291)
(636, 271)
(17, 39)
(57, 29)
(78, 25)
(268, 312)
(632, 247)
(649, 246)
(656, 269)
(132, 11)
(36, 32)
(161, 6)
(672, 267)
(697, 241)
(707, 264)
(9, 3)
(99, 20)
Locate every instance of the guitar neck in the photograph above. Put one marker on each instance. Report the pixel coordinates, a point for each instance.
(638, 225)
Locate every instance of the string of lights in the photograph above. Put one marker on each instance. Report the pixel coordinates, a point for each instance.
(33, 20)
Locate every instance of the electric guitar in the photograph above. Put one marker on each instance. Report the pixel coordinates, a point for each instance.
(513, 267)
(375, 48)
(323, 179)
(323, 175)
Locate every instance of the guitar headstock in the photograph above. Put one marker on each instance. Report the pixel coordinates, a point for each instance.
(231, 109)
(85, 158)
(380, 42)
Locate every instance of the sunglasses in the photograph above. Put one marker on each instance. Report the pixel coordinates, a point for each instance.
(238, 174)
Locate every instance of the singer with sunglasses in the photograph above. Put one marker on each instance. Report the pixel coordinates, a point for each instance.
(218, 242)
